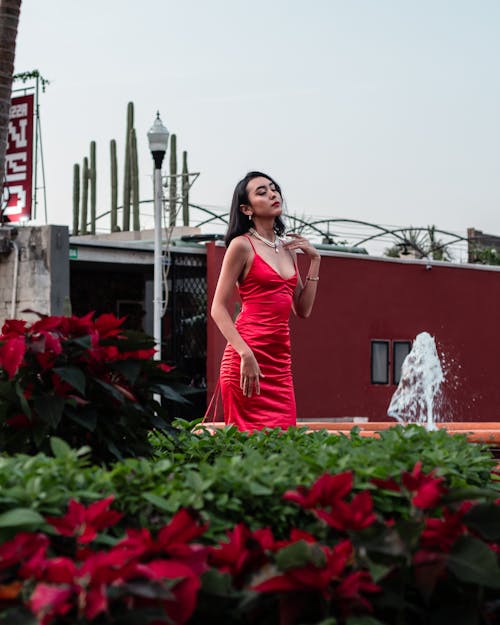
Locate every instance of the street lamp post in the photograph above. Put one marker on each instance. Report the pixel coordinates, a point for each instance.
(158, 142)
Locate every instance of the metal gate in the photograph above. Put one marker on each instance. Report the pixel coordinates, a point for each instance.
(186, 338)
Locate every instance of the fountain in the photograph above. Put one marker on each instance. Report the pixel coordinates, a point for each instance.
(421, 378)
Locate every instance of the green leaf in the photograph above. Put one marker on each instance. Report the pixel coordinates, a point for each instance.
(472, 561)
(216, 583)
(114, 450)
(49, 408)
(83, 341)
(86, 419)
(72, 376)
(484, 518)
(22, 400)
(59, 448)
(299, 554)
(259, 489)
(21, 517)
(129, 369)
(169, 393)
(378, 571)
(157, 501)
(115, 393)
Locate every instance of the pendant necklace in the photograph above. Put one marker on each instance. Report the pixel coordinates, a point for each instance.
(273, 244)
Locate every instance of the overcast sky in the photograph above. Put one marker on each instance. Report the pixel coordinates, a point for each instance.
(380, 110)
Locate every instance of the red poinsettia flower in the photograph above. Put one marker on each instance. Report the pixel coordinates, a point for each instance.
(47, 324)
(426, 488)
(84, 588)
(84, 523)
(34, 566)
(102, 353)
(311, 577)
(96, 601)
(14, 326)
(60, 571)
(46, 347)
(173, 540)
(107, 567)
(354, 515)
(183, 603)
(77, 326)
(137, 543)
(22, 547)
(164, 367)
(295, 536)
(138, 354)
(349, 593)
(12, 350)
(325, 490)
(441, 534)
(49, 601)
(108, 325)
(265, 538)
(183, 527)
(241, 555)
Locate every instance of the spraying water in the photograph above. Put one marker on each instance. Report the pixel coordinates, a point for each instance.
(421, 378)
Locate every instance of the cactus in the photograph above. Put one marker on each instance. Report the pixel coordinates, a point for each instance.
(134, 180)
(185, 190)
(126, 174)
(76, 197)
(114, 186)
(173, 180)
(93, 179)
(85, 195)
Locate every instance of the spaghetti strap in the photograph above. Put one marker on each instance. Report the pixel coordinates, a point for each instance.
(294, 259)
(251, 242)
(211, 407)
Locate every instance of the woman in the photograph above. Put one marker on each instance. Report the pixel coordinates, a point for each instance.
(256, 375)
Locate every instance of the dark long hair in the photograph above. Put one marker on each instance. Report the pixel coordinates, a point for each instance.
(238, 221)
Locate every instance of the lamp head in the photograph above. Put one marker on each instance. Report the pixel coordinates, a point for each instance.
(158, 136)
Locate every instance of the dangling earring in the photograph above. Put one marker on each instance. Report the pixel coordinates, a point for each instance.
(249, 217)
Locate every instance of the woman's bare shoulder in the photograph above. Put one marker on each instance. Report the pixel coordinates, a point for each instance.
(240, 245)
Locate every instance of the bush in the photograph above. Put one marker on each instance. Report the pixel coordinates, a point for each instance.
(291, 527)
(438, 563)
(86, 381)
(246, 477)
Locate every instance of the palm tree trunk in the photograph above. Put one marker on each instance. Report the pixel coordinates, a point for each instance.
(9, 19)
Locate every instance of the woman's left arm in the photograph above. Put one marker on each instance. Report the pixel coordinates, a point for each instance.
(305, 293)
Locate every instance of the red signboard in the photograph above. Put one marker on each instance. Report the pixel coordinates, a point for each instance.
(19, 159)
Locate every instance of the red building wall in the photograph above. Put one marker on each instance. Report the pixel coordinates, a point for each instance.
(364, 298)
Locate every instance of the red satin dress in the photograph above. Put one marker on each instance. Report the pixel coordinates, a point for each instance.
(263, 323)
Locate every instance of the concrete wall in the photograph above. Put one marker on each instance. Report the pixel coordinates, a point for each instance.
(42, 271)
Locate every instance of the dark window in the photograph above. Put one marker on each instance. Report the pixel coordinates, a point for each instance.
(380, 362)
(388, 356)
(401, 349)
